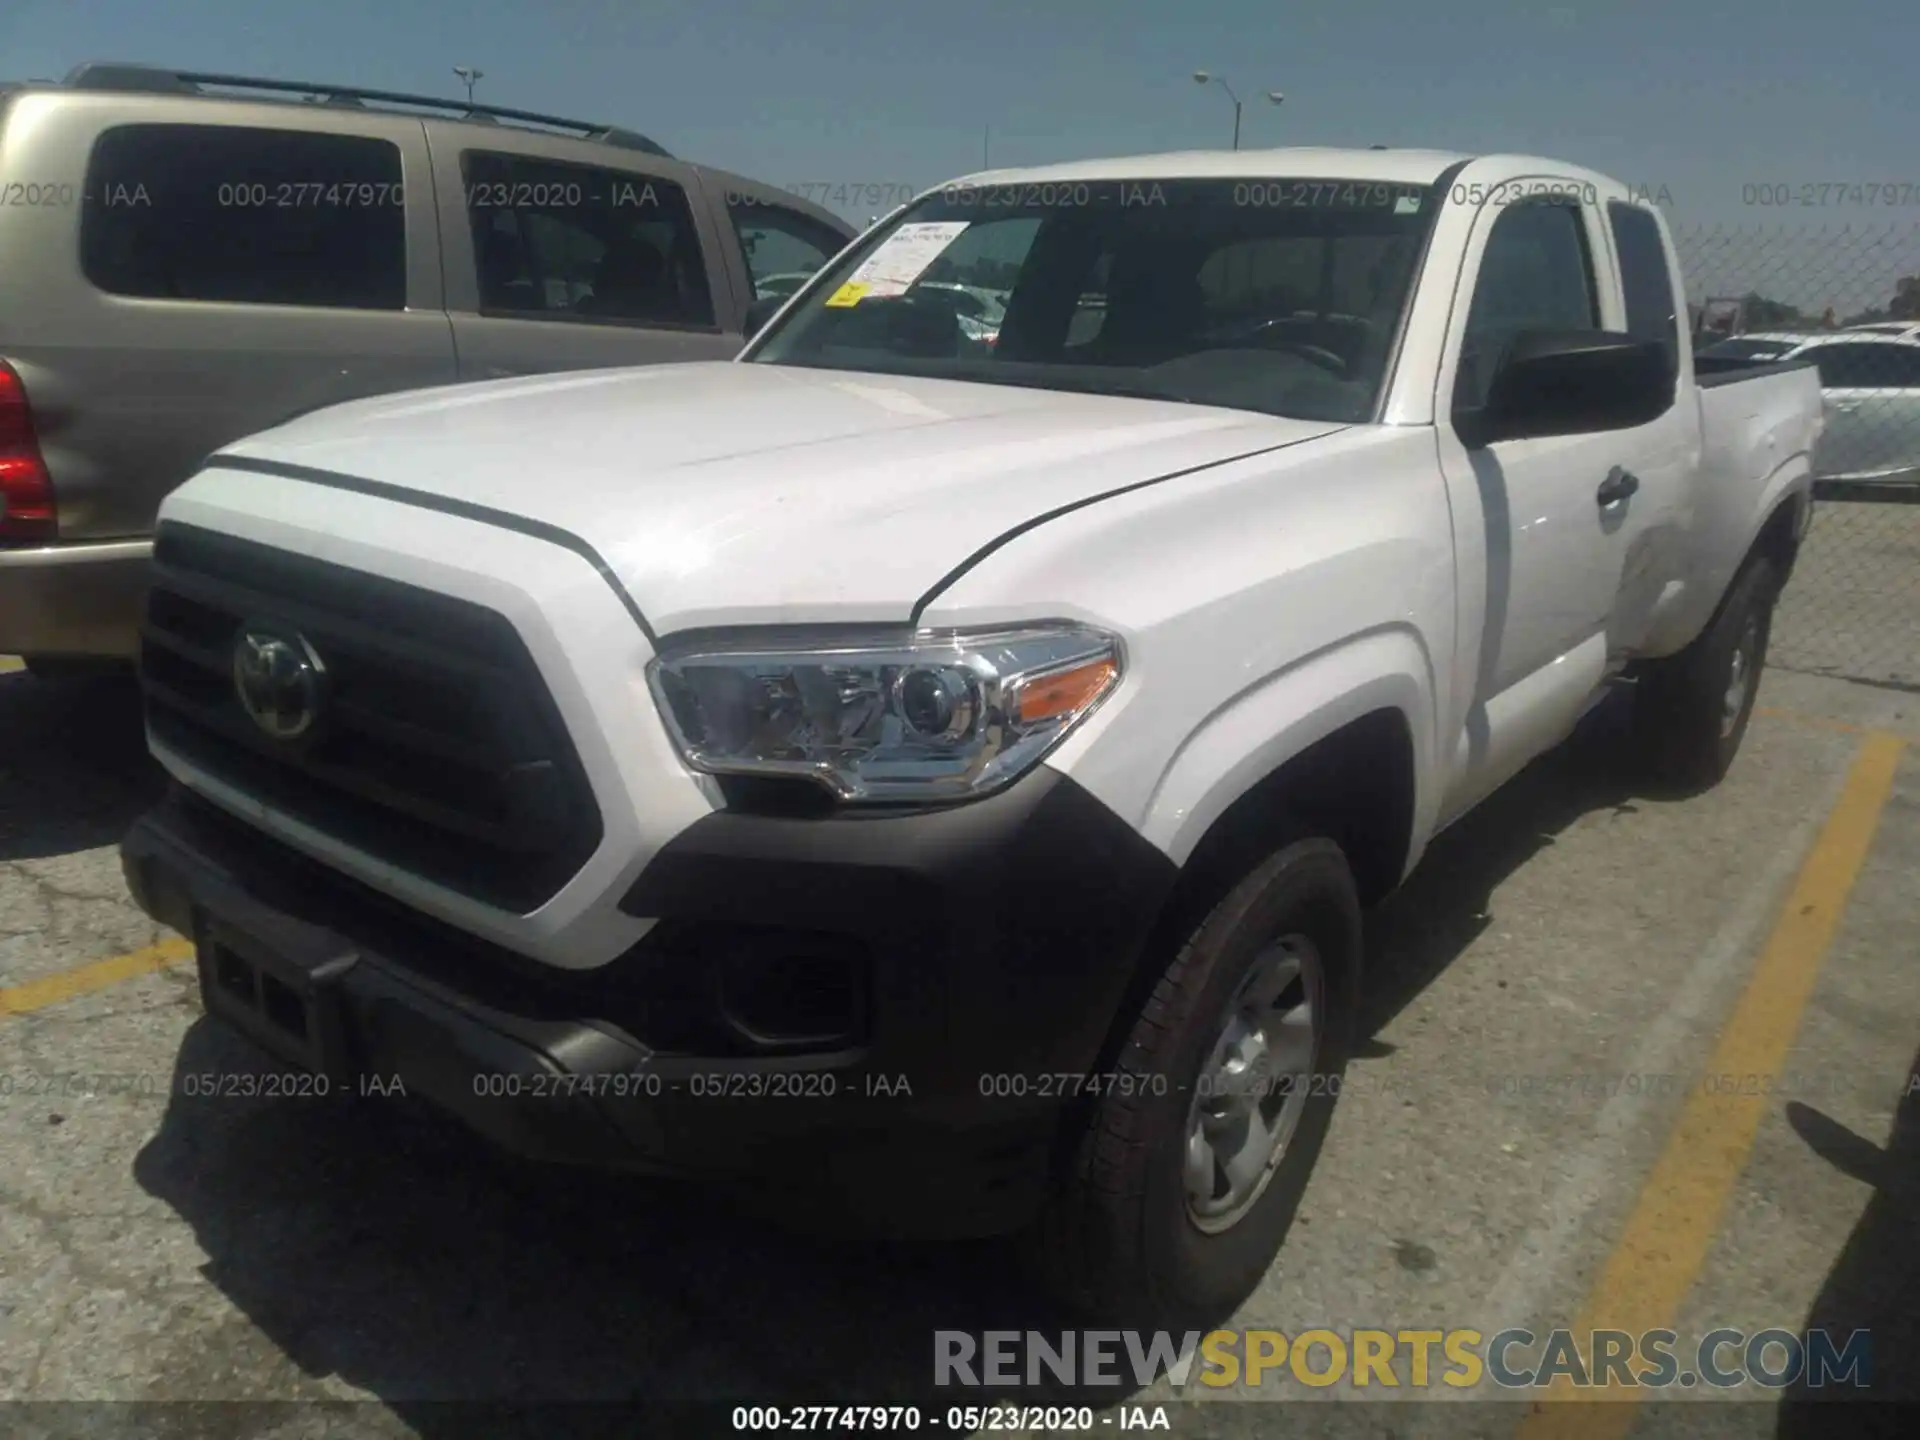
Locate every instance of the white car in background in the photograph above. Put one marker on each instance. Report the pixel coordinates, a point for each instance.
(1870, 386)
(1898, 329)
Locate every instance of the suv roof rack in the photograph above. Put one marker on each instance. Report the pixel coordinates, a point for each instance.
(155, 80)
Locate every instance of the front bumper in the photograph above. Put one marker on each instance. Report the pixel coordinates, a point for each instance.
(996, 942)
(77, 600)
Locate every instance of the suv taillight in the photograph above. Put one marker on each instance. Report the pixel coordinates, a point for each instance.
(26, 489)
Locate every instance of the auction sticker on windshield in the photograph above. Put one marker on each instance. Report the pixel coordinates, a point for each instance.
(903, 257)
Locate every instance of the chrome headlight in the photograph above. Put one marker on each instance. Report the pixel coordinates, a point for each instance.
(935, 717)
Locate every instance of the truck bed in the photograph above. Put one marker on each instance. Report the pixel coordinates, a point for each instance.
(1758, 424)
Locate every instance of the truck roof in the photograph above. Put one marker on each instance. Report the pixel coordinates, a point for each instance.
(1383, 164)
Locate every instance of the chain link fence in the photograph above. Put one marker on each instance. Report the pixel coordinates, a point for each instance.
(1853, 609)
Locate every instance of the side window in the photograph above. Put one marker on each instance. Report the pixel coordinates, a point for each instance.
(1652, 310)
(1536, 274)
(1867, 367)
(782, 247)
(1901, 366)
(575, 242)
(246, 216)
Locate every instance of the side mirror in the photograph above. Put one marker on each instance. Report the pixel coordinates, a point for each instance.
(759, 313)
(1571, 382)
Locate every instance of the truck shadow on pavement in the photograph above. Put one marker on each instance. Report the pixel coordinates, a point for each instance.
(371, 1240)
(1417, 932)
(375, 1242)
(1875, 1283)
(74, 768)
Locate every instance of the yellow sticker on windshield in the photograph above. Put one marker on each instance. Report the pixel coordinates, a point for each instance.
(848, 294)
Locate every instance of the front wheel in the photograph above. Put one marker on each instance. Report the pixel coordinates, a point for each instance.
(1192, 1166)
(1691, 709)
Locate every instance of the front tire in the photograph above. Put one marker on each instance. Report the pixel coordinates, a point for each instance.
(1691, 709)
(1192, 1166)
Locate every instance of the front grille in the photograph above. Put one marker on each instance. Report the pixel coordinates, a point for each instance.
(439, 749)
(661, 992)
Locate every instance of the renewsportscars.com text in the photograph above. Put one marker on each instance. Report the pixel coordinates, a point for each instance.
(1378, 1359)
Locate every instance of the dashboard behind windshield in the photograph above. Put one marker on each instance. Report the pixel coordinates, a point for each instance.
(1278, 296)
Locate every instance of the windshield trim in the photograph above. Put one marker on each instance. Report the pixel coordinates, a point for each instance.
(1435, 196)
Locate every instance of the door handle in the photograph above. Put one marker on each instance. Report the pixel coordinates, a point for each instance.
(1618, 485)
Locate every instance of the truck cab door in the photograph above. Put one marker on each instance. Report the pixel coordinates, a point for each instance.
(1543, 526)
(1667, 452)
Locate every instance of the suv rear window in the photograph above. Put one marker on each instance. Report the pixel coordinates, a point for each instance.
(246, 216)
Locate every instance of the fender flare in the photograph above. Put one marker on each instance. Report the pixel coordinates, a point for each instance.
(1265, 725)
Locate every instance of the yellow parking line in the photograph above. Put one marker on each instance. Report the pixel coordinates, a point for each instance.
(52, 989)
(1684, 1197)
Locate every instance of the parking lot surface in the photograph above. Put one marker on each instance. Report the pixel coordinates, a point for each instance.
(1532, 1135)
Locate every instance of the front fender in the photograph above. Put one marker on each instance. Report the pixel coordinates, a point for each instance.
(1271, 721)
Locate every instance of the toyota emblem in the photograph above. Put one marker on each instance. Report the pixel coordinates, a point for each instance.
(280, 681)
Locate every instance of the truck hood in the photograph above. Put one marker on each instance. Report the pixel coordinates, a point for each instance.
(727, 494)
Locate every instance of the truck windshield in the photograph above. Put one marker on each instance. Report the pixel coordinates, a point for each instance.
(1278, 296)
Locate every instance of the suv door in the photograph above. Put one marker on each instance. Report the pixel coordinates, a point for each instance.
(1871, 392)
(553, 263)
(239, 272)
(1527, 523)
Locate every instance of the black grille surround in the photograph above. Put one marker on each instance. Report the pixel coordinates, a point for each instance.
(440, 750)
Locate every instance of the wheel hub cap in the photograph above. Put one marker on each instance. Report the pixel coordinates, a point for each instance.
(1254, 1084)
(1739, 680)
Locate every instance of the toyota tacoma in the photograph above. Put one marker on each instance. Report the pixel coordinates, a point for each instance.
(944, 777)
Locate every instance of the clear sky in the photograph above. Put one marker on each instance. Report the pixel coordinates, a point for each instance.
(1693, 99)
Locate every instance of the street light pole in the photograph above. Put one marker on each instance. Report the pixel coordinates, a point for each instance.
(1203, 77)
(470, 75)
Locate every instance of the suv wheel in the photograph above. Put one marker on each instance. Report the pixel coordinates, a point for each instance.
(1199, 1147)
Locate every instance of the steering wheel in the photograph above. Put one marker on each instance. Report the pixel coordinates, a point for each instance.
(1268, 335)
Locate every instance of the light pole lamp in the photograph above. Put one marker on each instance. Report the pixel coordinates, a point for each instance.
(470, 75)
(1204, 77)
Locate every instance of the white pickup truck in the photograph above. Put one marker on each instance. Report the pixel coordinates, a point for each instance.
(942, 775)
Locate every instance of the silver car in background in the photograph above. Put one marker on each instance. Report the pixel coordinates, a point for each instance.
(1870, 383)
